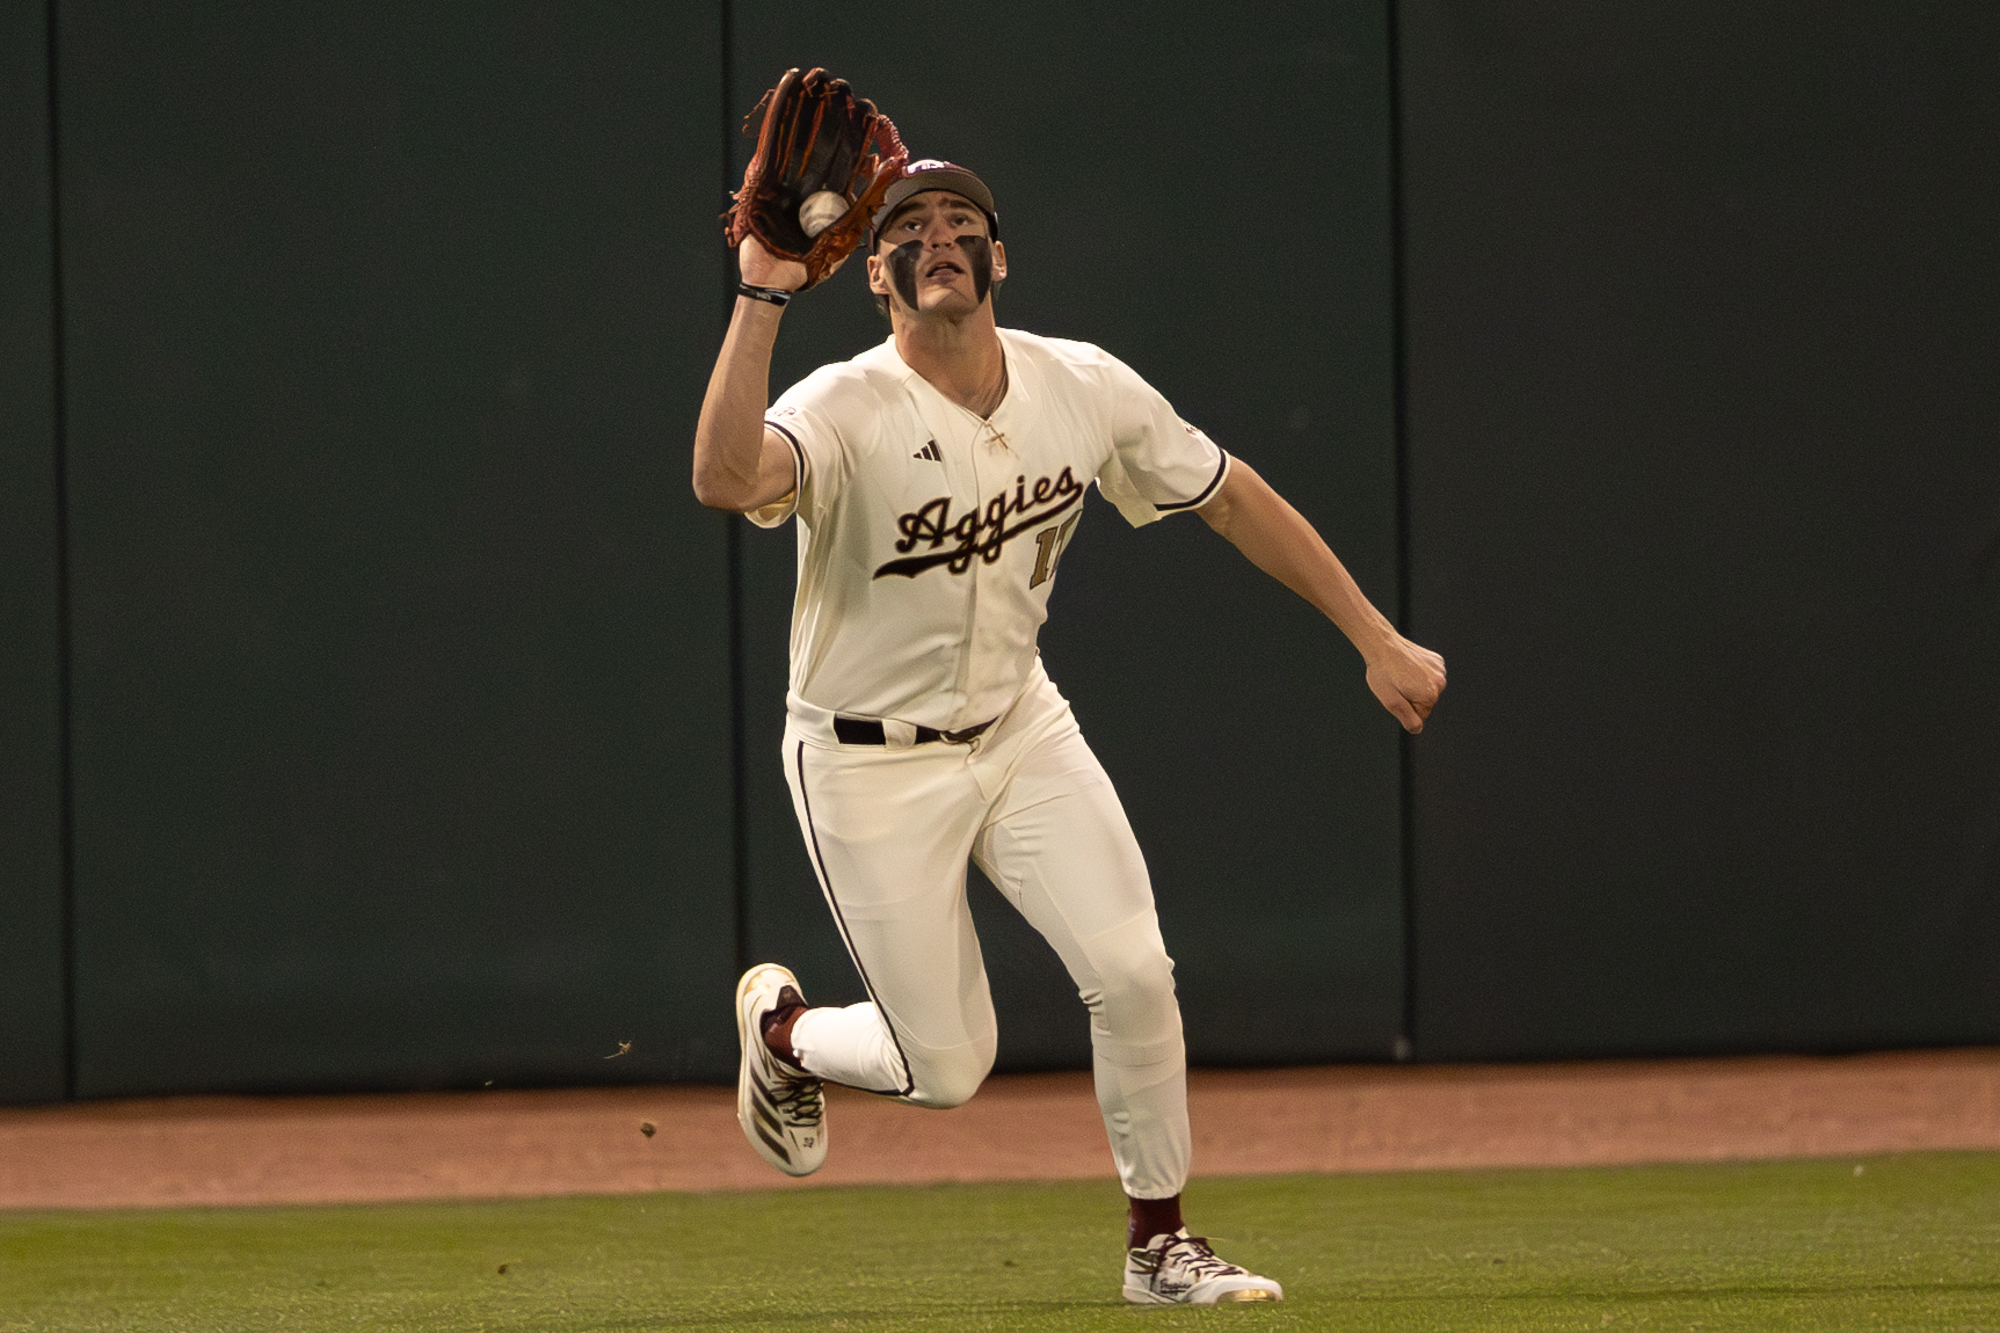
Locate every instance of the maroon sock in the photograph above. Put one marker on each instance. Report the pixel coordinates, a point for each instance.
(1148, 1218)
(778, 1026)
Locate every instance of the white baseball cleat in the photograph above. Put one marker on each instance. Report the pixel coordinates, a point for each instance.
(782, 1109)
(1181, 1270)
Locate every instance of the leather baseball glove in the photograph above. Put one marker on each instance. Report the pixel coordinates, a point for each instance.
(818, 139)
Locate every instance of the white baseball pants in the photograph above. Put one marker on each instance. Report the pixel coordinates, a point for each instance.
(890, 828)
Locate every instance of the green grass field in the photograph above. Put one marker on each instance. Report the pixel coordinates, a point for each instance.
(1909, 1242)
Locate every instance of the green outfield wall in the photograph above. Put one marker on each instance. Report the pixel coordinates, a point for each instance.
(378, 709)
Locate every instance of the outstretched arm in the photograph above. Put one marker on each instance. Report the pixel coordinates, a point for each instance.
(739, 462)
(1406, 678)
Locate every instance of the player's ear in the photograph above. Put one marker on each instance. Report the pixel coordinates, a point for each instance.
(878, 282)
(999, 261)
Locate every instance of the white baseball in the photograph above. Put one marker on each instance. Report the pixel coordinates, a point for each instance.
(821, 210)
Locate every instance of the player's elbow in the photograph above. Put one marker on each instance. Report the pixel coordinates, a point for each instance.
(718, 491)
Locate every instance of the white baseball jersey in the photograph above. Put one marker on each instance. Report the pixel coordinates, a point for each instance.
(929, 537)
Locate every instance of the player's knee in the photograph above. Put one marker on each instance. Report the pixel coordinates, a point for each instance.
(943, 1084)
(944, 1092)
(1135, 1015)
(1141, 978)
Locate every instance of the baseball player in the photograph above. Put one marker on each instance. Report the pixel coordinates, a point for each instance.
(935, 481)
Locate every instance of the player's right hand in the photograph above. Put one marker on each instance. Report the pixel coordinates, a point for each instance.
(761, 268)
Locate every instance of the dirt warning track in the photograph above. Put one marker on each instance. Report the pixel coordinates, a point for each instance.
(496, 1144)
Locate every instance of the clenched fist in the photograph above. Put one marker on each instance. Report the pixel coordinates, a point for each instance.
(1407, 678)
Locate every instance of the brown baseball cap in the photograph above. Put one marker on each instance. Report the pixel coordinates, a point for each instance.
(929, 173)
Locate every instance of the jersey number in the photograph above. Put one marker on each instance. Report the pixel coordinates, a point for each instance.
(1049, 544)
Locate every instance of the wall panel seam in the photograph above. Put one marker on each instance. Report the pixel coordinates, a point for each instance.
(65, 805)
(1400, 445)
(739, 783)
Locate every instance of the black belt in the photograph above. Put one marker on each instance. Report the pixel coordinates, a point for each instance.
(867, 731)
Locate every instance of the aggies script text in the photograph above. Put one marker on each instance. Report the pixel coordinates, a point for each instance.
(982, 531)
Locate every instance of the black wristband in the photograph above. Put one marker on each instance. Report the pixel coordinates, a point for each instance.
(775, 295)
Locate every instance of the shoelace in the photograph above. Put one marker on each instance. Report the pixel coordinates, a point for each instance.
(1199, 1260)
(798, 1100)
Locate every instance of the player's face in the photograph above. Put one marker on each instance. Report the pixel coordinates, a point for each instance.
(933, 255)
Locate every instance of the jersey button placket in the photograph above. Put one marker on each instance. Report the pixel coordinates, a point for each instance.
(935, 417)
(971, 668)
